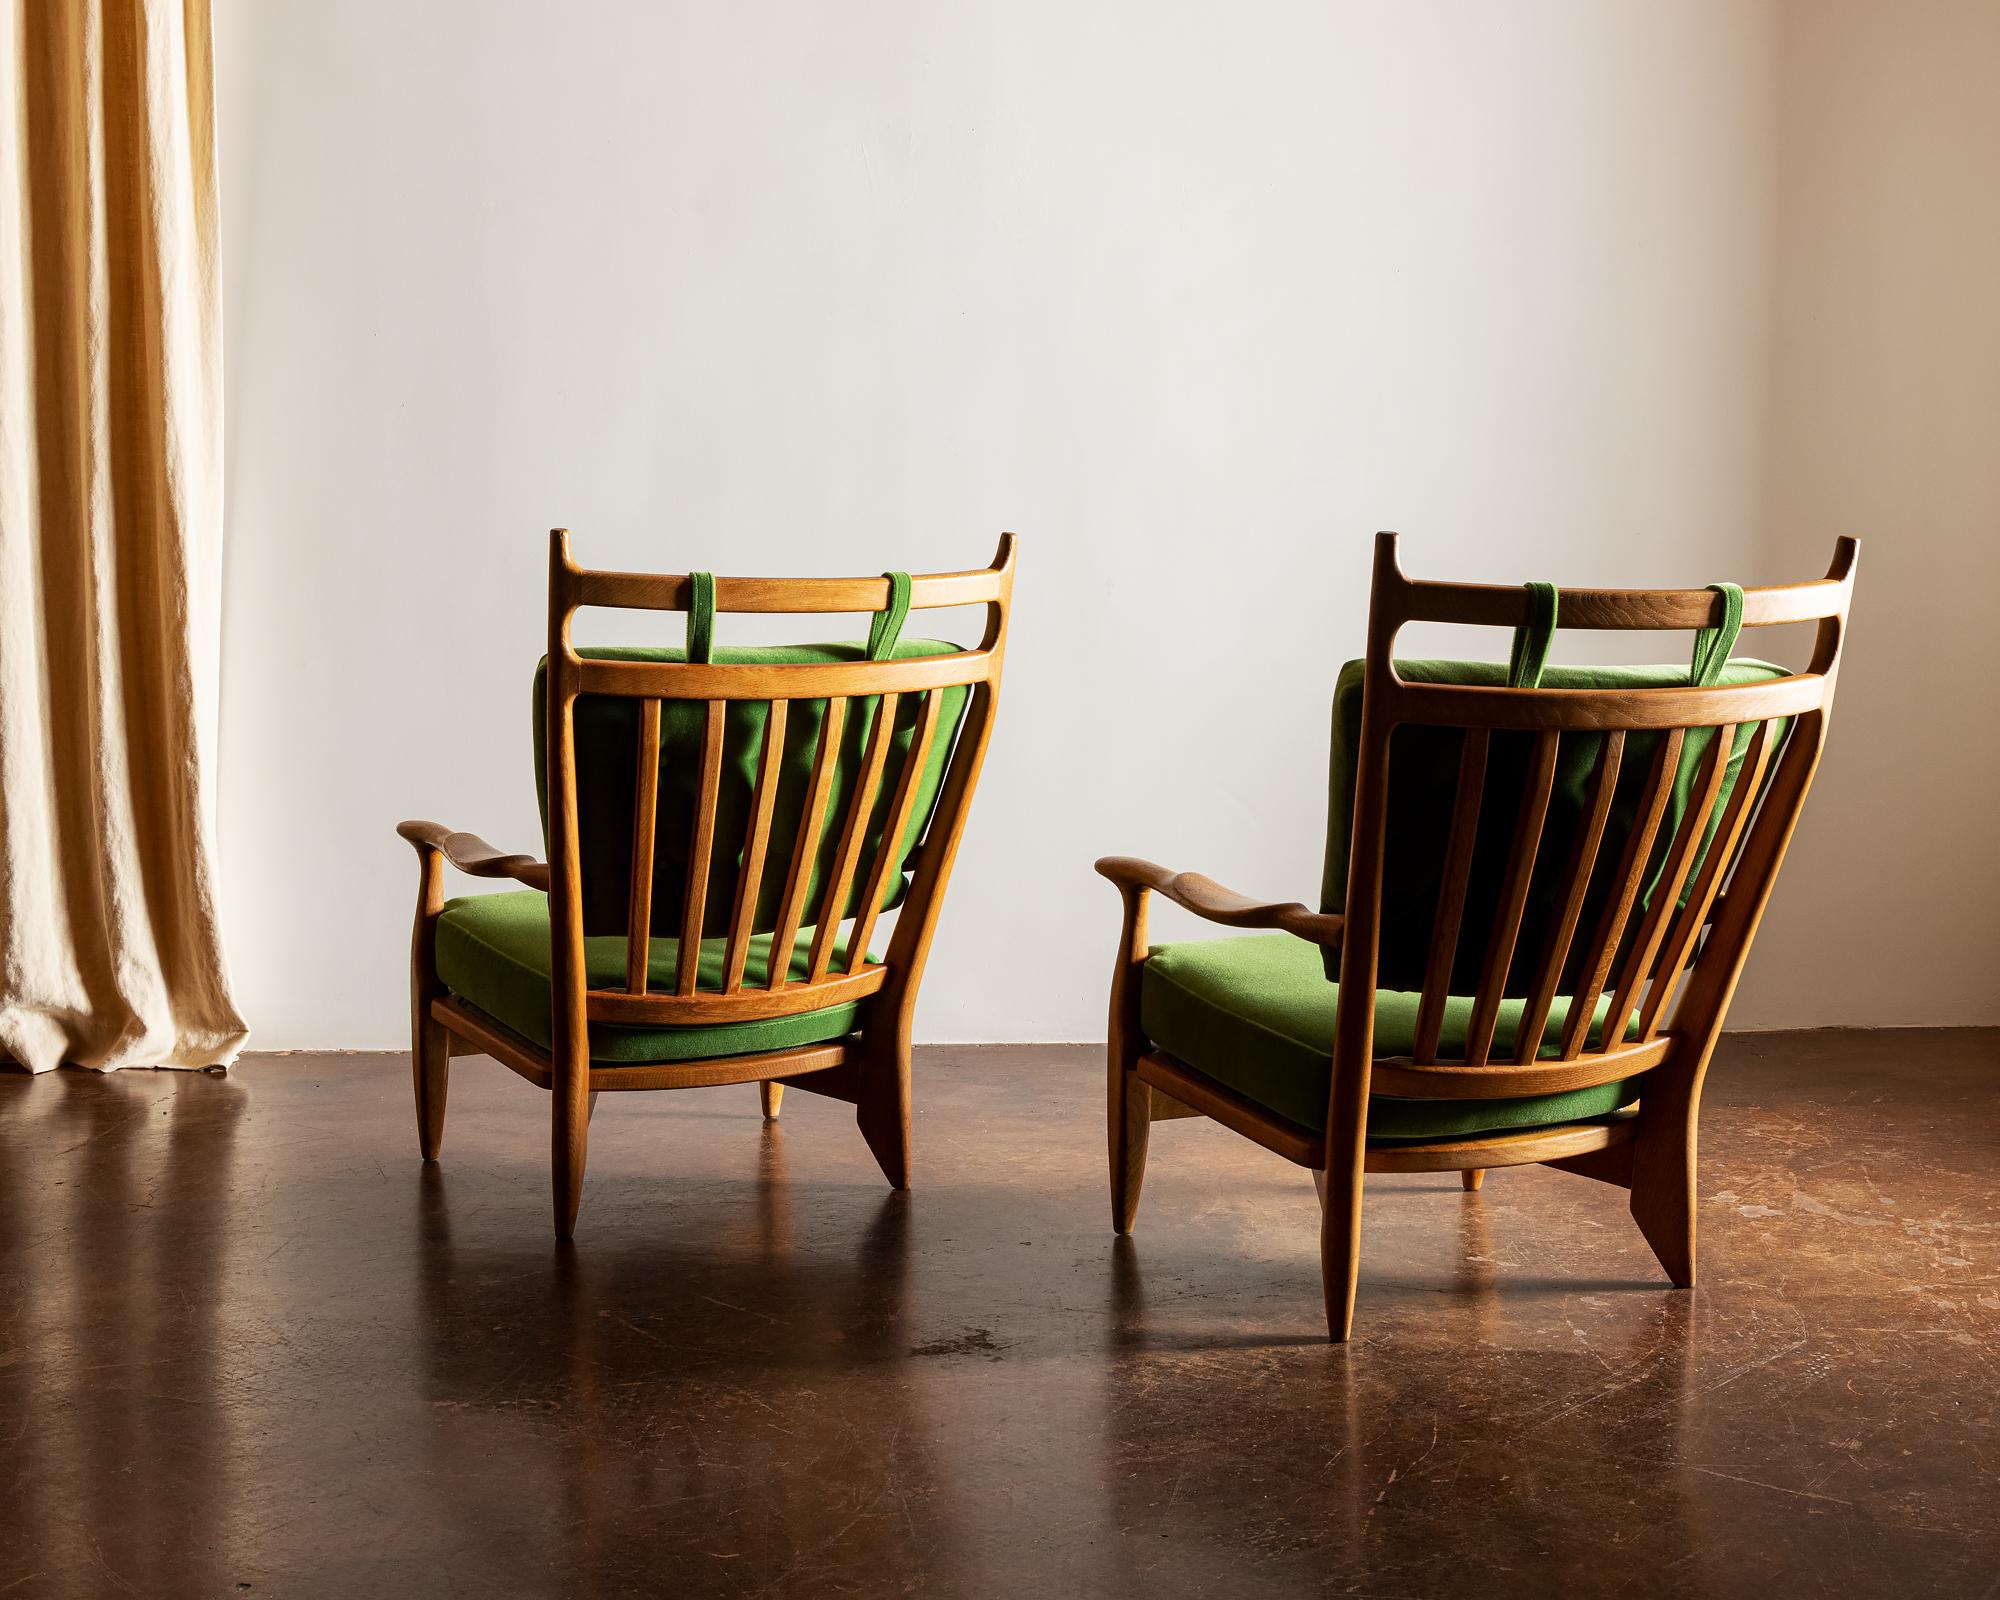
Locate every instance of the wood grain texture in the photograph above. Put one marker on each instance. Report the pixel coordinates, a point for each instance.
(1576, 879)
(746, 1005)
(1207, 898)
(701, 852)
(569, 1052)
(1506, 930)
(1666, 892)
(756, 847)
(472, 855)
(1413, 1080)
(430, 1049)
(1445, 925)
(821, 680)
(806, 845)
(1503, 1149)
(889, 848)
(1130, 1104)
(1689, 921)
(1630, 878)
(645, 821)
(847, 853)
(1224, 1105)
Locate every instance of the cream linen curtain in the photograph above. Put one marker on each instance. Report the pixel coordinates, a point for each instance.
(110, 536)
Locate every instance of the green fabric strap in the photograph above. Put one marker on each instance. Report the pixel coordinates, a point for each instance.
(1533, 639)
(701, 617)
(1712, 645)
(887, 627)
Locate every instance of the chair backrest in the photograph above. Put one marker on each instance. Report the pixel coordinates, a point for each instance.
(761, 798)
(1569, 874)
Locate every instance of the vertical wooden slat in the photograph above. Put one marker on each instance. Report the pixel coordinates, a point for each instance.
(756, 846)
(1583, 859)
(834, 903)
(1451, 896)
(1667, 892)
(1513, 898)
(1631, 874)
(701, 850)
(805, 849)
(1693, 916)
(931, 866)
(889, 851)
(645, 818)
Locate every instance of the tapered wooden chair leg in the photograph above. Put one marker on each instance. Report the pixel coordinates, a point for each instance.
(1665, 1213)
(1128, 1123)
(1340, 1248)
(1663, 1182)
(430, 1068)
(1128, 1131)
(883, 1111)
(430, 1045)
(569, 1148)
(771, 1094)
(1472, 1177)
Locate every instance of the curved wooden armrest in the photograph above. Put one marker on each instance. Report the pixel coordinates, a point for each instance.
(1207, 898)
(473, 856)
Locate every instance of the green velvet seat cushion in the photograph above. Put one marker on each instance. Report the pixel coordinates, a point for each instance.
(1423, 784)
(606, 735)
(1256, 1014)
(493, 953)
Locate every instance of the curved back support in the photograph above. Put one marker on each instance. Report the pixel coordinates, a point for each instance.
(875, 734)
(1643, 908)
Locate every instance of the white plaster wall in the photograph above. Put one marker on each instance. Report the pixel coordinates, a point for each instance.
(1885, 422)
(1195, 297)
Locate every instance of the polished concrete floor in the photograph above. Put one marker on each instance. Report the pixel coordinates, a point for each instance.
(249, 1346)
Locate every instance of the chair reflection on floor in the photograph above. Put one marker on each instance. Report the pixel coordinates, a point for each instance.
(758, 1307)
(1359, 1460)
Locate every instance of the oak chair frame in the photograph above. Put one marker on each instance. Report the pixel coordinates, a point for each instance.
(1669, 983)
(870, 1068)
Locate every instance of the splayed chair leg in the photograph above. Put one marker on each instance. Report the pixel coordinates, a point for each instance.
(569, 1145)
(1472, 1178)
(1340, 1248)
(1340, 1187)
(883, 1110)
(1129, 1101)
(1128, 1132)
(770, 1095)
(430, 1046)
(1663, 1179)
(430, 1068)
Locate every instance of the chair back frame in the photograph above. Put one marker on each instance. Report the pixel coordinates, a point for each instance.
(1650, 1151)
(1638, 955)
(1659, 961)
(835, 977)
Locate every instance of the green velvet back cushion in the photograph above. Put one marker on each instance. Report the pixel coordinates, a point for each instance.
(607, 764)
(1423, 785)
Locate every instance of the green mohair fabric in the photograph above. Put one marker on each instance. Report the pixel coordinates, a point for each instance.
(607, 741)
(1257, 1014)
(1423, 784)
(493, 953)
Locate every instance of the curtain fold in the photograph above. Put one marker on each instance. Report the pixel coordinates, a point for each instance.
(110, 537)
